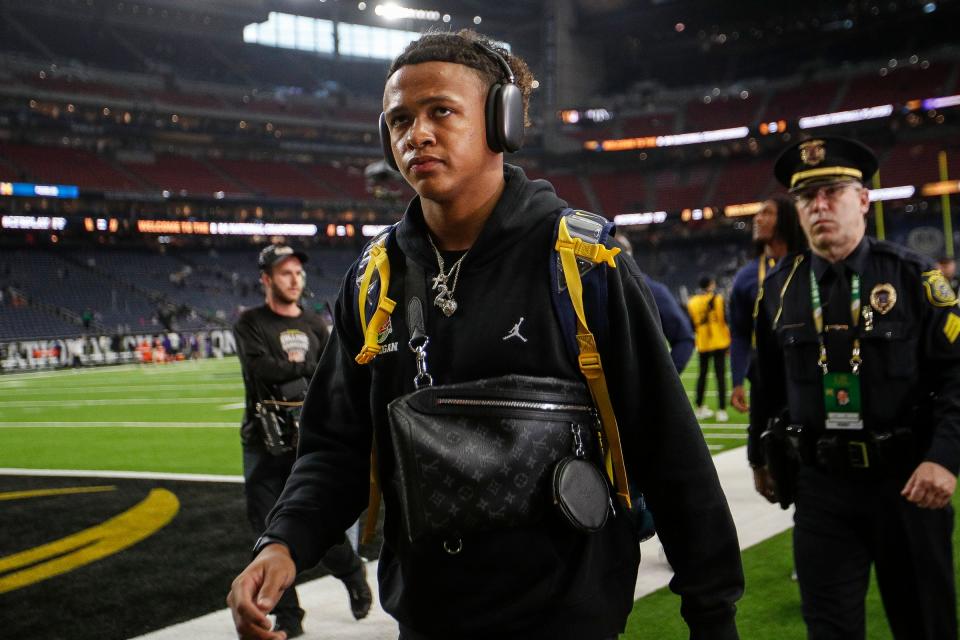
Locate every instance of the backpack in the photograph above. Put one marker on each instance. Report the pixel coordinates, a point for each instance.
(579, 294)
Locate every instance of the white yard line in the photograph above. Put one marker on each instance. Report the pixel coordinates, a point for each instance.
(118, 388)
(67, 403)
(128, 475)
(150, 369)
(87, 425)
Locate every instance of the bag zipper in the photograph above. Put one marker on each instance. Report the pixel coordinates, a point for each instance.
(514, 404)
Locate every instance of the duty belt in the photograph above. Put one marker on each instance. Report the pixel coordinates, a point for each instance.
(880, 450)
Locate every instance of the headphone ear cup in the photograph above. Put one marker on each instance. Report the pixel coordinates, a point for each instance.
(504, 117)
(385, 143)
(493, 118)
(510, 127)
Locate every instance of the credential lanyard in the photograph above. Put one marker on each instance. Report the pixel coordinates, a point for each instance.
(818, 321)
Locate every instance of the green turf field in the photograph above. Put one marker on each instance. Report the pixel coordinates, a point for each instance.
(184, 418)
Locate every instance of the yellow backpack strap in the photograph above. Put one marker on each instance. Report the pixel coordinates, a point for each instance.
(378, 261)
(570, 249)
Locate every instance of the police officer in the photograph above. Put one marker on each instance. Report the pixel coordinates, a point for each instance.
(279, 344)
(858, 353)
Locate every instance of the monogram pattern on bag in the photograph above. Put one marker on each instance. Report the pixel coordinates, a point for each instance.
(472, 468)
(499, 478)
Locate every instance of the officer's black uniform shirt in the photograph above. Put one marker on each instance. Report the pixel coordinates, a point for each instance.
(835, 290)
(910, 372)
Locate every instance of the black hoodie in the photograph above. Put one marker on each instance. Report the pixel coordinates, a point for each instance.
(536, 582)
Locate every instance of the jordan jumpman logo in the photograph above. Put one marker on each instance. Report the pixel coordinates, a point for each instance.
(515, 332)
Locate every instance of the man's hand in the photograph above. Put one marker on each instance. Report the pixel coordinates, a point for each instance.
(765, 484)
(738, 399)
(296, 356)
(931, 486)
(256, 591)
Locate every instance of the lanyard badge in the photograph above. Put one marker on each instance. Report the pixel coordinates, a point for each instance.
(841, 391)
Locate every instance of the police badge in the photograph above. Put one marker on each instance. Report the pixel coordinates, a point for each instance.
(883, 297)
(939, 291)
(812, 152)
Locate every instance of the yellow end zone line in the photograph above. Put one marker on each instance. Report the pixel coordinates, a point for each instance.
(82, 548)
(42, 493)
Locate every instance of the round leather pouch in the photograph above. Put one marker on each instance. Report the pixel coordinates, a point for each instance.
(581, 494)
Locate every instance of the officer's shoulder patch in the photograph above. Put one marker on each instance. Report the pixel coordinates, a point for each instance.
(939, 291)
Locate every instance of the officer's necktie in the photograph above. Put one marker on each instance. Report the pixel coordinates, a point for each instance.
(835, 290)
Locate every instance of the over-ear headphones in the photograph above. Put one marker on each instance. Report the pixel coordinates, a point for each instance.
(504, 114)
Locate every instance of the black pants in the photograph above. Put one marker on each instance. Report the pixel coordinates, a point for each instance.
(720, 369)
(264, 476)
(847, 520)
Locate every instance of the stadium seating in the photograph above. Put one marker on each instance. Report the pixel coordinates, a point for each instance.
(339, 180)
(808, 99)
(896, 86)
(80, 39)
(681, 189)
(618, 192)
(721, 113)
(655, 124)
(182, 173)
(740, 181)
(277, 179)
(17, 323)
(569, 188)
(60, 165)
(47, 278)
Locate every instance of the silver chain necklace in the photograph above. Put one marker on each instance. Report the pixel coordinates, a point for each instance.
(444, 299)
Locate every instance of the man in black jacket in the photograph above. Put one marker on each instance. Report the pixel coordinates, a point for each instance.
(484, 231)
(279, 344)
(857, 345)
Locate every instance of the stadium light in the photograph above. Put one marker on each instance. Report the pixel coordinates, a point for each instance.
(843, 117)
(393, 11)
(371, 230)
(746, 209)
(698, 137)
(635, 219)
(941, 103)
(892, 193)
(943, 188)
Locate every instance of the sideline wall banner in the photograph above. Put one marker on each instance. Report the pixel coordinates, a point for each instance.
(97, 350)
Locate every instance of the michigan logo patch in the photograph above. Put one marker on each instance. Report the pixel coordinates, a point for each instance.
(951, 328)
(939, 291)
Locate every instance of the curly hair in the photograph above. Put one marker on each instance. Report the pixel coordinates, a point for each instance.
(466, 47)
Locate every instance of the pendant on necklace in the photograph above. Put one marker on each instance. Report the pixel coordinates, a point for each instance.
(445, 303)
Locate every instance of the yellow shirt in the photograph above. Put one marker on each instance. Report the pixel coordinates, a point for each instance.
(709, 322)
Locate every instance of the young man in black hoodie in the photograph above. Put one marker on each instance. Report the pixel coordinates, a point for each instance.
(483, 234)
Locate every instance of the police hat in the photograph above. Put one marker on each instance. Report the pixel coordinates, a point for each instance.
(277, 253)
(823, 160)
